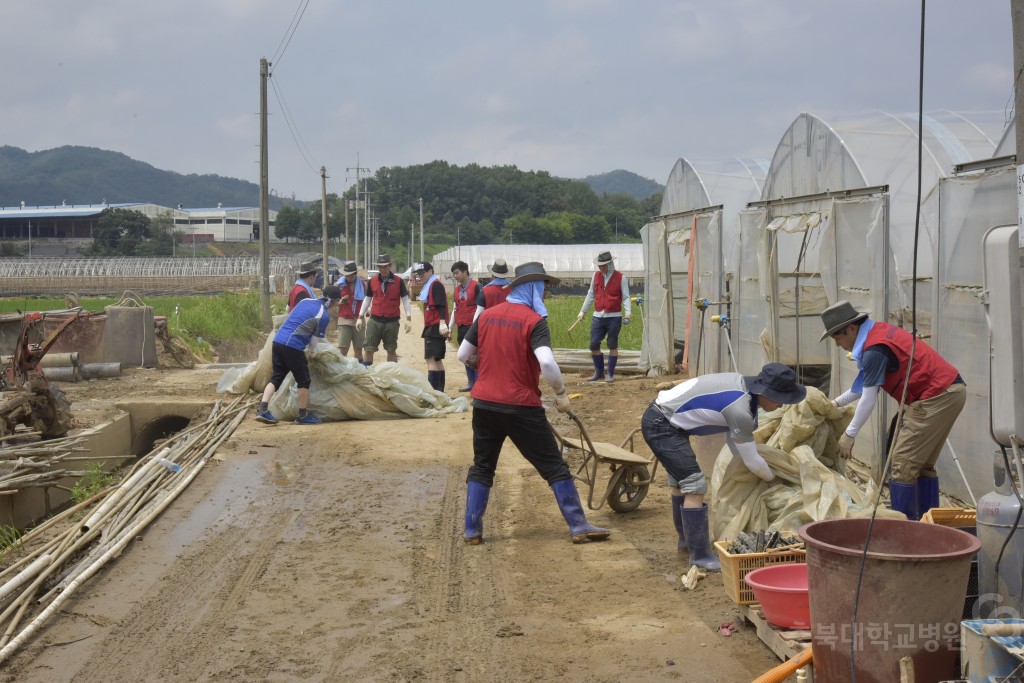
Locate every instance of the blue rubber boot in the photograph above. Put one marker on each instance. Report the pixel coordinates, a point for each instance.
(677, 518)
(598, 367)
(695, 523)
(569, 503)
(927, 494)
(476, 503)
(903, 498)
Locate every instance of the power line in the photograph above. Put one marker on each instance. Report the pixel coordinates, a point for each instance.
(289, 32)
(293, 129)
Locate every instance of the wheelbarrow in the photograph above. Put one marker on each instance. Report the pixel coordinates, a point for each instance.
(630, 474)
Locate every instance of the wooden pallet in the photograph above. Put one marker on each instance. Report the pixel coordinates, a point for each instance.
(786, 644)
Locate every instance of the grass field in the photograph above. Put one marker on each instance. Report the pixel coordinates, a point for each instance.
(562, 311)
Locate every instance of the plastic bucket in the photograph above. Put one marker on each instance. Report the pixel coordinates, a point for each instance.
(781, 590)
(909, 603)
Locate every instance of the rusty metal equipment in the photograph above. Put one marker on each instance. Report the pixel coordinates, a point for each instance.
(631, 474)
(26, 397)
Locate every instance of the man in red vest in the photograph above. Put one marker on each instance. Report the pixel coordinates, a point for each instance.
(464, 310)
(609, 292)
(511, 345)
(935, 395)
(303, 289)
(494, 292)
(353, 291)
(385, 293)
(435, 323)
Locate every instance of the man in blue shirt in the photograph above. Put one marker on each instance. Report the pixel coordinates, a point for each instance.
(305, 326)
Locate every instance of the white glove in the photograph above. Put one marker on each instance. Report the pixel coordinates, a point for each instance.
(313, 341)
(562, 402)
(579, 316)
(625, 321)
(443, 328)
(408, 327)
(360, 323)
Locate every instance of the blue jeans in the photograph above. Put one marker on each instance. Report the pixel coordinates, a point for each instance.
(600, 327)
(671, 446)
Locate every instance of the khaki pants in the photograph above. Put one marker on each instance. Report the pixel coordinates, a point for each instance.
(926, 424)
(348, 335)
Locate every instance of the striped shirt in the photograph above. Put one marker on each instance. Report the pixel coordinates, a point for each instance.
(711, 404)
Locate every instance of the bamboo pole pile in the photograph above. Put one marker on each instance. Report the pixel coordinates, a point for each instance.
(37, 463)
(56, 558)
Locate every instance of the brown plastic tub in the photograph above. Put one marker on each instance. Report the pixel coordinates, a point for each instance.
(910, 603)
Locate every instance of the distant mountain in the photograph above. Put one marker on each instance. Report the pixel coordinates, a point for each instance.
(86, 175)
(625, 182)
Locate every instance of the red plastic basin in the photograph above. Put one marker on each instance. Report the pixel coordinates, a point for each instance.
(782, 591)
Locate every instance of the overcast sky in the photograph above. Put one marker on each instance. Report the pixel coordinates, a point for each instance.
(573, 87)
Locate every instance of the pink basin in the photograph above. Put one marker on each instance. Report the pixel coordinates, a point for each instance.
(782, 591)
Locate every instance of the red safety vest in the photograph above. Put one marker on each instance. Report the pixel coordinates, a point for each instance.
(296, 291)
(608, 299)
(494, 295)
(386, 304)
(509, 372)
(431, 311)
(350, 309)
(931, 374)
(465, 309)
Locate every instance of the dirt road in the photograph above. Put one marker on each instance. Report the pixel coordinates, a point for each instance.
(334, 553)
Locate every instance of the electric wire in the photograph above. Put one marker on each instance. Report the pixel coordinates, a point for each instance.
(288, 34)
(304, 152)
(910, 360)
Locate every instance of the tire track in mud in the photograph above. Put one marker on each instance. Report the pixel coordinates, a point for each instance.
(219, 577)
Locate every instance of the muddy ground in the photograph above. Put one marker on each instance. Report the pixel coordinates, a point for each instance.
(334, 553)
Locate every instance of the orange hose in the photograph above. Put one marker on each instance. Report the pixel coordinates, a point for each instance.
(786, 669)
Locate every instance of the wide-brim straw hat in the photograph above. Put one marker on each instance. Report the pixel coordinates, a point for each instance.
(604, 258)
(308, 268)
(776, 382)
(383, 260)
(350, 268)
(531, 272)
(499, 268)
(839, 315)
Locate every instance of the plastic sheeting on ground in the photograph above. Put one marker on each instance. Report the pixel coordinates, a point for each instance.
(799, 445)
(344, 389)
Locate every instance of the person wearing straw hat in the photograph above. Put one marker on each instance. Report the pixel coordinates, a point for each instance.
(711, 404)
(353, 291)
(934, 396)
(494, 292)
(511, 345)
(435, 323)
(609, 293)
(305, 279)
(384, 293)
(304, 327)
(464, 310)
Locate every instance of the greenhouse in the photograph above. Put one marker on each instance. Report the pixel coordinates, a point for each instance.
(567, 261)
(696, 232)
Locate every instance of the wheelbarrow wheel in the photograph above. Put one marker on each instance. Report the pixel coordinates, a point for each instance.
(626, 493)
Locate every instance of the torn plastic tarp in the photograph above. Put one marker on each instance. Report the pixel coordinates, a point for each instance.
(342, 388)
(799, 445)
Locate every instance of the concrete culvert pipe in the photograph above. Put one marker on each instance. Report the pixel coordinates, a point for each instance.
(155, 430)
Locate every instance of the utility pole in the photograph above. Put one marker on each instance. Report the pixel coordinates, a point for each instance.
(323, 222)
(358, 169)
(1017, 19)
(346, 230)
(265, 323)
(421, 229)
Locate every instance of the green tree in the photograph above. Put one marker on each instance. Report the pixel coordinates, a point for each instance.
(310, 225)
(119, 232)
(287, 224)
(163, 237)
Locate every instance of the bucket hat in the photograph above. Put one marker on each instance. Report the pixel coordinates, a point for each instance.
(350, 268)
(839, 315)
(422, 267)
(307, 268)
(499, 268)
(776, 382)
(383, 260)
(332, 292)
(530, 272)
(604, 258)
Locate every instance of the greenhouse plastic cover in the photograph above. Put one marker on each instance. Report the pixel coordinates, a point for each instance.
(566, 261)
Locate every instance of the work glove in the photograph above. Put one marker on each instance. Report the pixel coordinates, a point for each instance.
(579, 316)
(313, 341)
(562, 401)
(846, 446)
(443, 329)
(360, 323)
(408, 327)
(625, 321)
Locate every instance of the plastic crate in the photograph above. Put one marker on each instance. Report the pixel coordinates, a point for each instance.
(954, 517)
(736, 566)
